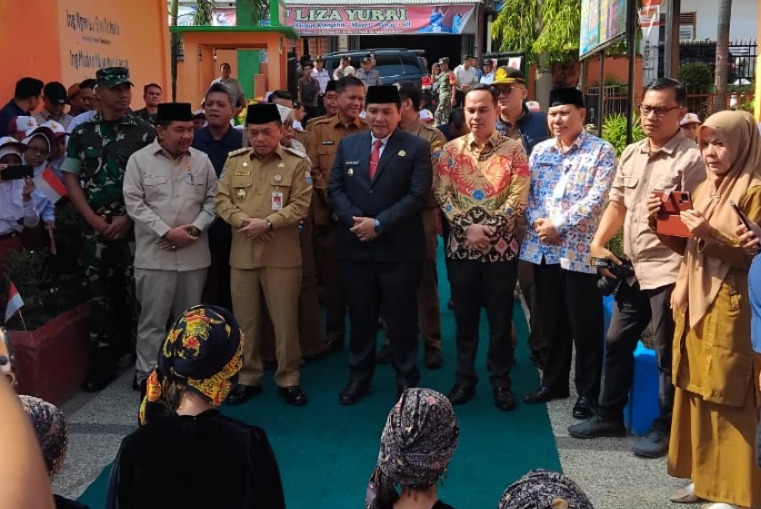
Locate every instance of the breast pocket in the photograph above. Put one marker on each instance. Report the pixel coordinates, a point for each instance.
(197, 184)
(155, 186)
(241, 186)
(325, 156)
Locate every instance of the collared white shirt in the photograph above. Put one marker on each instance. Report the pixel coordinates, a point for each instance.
(15, 214)
(162, 192)
(487, 79)
(323, 77)
(384, 142)
(466, 77)
(43, 116)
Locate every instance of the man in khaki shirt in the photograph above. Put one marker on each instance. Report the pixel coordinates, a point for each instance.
(323, 144)
(429, 314)
(263, 194)
(664, 161)
(169, 190)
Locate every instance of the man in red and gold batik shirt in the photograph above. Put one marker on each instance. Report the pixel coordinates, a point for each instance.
(482, 184)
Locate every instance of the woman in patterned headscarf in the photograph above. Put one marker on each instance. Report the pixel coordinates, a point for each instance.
(542, 489)
(50, 427)
(417, 443)
(189, 455)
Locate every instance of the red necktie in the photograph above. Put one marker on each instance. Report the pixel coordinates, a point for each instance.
(375, 158)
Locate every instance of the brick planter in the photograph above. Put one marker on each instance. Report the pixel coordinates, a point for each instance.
(52, 360)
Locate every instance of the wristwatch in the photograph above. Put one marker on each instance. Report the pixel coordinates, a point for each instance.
(269, 224)
(378, 227)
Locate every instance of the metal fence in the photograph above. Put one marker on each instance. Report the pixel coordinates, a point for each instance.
(742, 58)
(704, 105)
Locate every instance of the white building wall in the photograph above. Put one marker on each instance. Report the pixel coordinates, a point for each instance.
(743, 24)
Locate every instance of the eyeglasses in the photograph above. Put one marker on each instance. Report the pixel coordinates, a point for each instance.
(503, 90)
(659, 111)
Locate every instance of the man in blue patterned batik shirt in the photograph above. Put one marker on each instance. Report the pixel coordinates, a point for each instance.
(571, 175)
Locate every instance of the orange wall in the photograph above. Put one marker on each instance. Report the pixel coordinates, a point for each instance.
(617, 66)
(199, 67)
(134, 33)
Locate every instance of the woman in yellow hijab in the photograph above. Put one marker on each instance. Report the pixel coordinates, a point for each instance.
(714, 366)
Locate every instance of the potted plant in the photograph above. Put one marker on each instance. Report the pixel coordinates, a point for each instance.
(49, 334)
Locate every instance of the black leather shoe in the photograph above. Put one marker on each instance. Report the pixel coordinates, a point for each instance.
(242, 393)
(98, 380)
(503, 398)
(544, 394)
(293, 395)
(597, 427)
(353, 392)
(384, 354)
(584, 408)
(461, 394)
(433, 359)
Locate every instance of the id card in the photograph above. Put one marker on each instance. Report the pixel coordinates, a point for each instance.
(277, 200)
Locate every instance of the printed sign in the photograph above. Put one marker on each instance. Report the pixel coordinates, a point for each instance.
(329, 20)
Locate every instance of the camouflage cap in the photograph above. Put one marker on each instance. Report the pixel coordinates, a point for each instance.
(112, 77)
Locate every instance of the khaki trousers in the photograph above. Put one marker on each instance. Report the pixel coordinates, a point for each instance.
(278, 289)
(163, 295)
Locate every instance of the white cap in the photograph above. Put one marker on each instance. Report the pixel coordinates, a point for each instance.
(426, 116)
(10, 145)
(23, 123)
(690, 118)
(54, 126)
(533, 106)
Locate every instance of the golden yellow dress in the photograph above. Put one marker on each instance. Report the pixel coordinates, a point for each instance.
(715, 372)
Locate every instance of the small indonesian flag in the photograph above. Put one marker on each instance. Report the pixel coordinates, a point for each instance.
(14, 302)
(49, 185)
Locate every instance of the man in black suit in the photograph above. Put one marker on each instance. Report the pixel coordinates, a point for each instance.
(378, 186)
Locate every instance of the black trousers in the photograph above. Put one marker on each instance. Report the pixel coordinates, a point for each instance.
(571, 314)
(369, 287)
(633, 311)
(528, 288)
(475, 284)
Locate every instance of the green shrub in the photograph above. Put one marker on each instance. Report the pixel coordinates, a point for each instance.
(614, 131)
(696, 77)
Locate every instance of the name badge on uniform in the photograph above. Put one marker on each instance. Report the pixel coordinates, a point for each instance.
(328, 142)
(277, 200)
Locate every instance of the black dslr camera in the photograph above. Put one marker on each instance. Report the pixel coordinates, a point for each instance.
(608, 285)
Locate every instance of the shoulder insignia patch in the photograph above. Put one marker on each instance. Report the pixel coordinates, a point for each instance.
(294, 152)
(239, 151)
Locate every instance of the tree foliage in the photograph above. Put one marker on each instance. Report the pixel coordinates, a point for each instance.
(550, 27)
(516, 26)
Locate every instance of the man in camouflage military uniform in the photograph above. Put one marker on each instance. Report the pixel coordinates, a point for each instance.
(445, 79)
(429, 315)
(94, 169)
